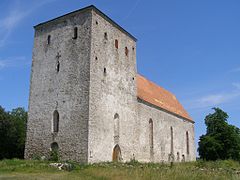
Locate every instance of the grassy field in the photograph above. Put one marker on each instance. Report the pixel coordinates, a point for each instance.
(20, 169)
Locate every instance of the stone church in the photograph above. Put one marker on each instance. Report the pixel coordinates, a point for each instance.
(88, 102)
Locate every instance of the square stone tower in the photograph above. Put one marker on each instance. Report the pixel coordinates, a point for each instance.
(83, 100)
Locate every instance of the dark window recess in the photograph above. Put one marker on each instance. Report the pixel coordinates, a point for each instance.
(126, 51)
(187, 139)
(116, 43)
(54, 146)
(105, 71)
(48, 39)
(75, 33)
(96, 58)
(55, 121)
(58, 66)
(96, 22)
(151, 134)
(171, 140)
(105, 36)
(133, 48)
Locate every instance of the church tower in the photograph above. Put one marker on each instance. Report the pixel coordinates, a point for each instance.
(83, 89)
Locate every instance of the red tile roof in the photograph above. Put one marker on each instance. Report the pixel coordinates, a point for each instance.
(156, 95)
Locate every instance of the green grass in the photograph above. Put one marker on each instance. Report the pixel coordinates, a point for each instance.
(21, 169)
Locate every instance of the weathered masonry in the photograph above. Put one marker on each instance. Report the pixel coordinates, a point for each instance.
(88, 103)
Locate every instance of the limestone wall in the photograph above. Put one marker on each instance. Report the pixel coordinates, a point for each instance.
(112, 93)
(95, 94)
(162, 123)
(66, 91)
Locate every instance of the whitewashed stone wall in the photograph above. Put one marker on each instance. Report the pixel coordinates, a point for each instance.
(66, 91)
(95, 94)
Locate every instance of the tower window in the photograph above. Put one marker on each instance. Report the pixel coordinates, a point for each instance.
(75, 33)
(116, 43)
(96, 22)
(126, 51)
(105, 71)
(105, 36)
(116, 128)
(49, 39)
(58, 66)
(55, 121)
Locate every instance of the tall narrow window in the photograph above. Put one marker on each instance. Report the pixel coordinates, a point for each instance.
(116, 43)
(187, 141)
(126, 51)
(171, 140)
(105, 36)
(55, 121)
(104, 71)
(75, 33)
(116, 128)
(151, 138)
(58, 66)
(49, 39)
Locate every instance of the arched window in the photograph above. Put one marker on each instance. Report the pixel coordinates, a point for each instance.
(116, 128)
(54, 146)
(187, 142)
(171, 140)
(75, 33)
(55, 121)
(151, 133)
(117, 156)
(151, 138)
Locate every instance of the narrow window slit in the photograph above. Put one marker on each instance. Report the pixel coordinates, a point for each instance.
(55, 121)
(58, 66)
(126, 51)
(116, 43)
(49, 39)
(105, 36)
(187, 140)
(75, 33)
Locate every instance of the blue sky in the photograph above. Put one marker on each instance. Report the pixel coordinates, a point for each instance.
(189, 47)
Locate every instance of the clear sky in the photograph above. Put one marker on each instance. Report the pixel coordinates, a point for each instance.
(189, 47)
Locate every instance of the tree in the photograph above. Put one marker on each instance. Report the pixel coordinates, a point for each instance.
(12, 133)
(222, 141)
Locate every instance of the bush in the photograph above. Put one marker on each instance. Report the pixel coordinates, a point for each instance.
(54, 155)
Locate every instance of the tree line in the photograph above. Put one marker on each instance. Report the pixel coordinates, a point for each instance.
(12, 133)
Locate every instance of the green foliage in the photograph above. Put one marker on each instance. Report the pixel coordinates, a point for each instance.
(222, 141)
(218, 170)
(12, 133)
(54, 155)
